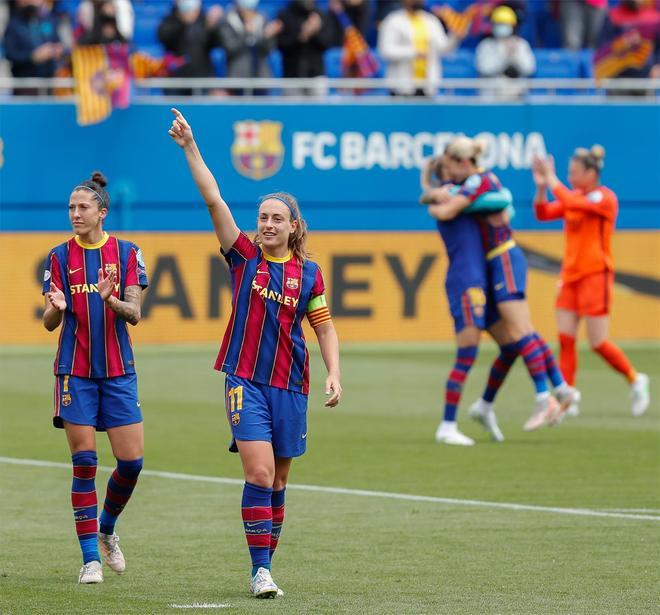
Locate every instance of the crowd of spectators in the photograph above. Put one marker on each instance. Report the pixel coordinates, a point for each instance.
(410, 36)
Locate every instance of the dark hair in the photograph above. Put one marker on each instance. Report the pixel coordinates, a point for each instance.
(96, 185)
(593, 158)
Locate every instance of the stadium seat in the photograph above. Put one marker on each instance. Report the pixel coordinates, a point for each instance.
(332, 61)
(558, 64)
(219, 60)
(459, 65)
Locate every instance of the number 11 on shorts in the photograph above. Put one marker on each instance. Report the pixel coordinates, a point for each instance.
(235, 399)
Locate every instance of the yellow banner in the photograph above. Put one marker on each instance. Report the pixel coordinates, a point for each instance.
(380, 286)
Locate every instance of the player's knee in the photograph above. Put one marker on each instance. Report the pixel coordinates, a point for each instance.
(260, 476)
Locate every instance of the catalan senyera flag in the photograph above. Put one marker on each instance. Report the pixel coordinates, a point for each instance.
(357, 59)
(460, 23)
(102, 79)
(620, 54)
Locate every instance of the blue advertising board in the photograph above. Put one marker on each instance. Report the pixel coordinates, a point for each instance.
(352, 167)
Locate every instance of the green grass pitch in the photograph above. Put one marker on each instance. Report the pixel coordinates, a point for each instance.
(346, 552)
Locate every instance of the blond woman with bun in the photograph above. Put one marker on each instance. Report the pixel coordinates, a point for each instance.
(589, 212)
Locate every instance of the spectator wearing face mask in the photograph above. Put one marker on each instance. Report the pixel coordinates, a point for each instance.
(248, 38)
(504, 54)
(412, 41)
(115, 17)
(306, 33)
(191, 32)
(31, 43)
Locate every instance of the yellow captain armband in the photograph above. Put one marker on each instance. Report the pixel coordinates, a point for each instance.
(317, 311)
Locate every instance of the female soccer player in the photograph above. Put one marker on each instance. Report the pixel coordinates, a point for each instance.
(507, 278)
(92, 286)
(587, 276)
(466, 289)
(263, 353)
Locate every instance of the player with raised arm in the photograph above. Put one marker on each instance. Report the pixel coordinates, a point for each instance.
(587, 276)
(264, 353)
(92, 287)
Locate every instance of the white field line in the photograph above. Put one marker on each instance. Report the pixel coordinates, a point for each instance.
(581, 512)
(200, 605)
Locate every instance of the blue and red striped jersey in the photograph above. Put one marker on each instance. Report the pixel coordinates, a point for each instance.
(475, 186)
(264, 341)
(94, 342)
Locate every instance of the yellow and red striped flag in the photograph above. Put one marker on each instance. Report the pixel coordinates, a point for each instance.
(102, 81)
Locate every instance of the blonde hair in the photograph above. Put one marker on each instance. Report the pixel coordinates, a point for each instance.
(465, 148)
(593, 158)
(297, 239)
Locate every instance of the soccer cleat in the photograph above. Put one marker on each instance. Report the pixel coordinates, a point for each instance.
(574, 408)
(262, 584)
(280, 593)
(482, 412)
(447, 433)
(544, 410)
(91, 572)
(640, 394)
(567, 398)
(112, 555)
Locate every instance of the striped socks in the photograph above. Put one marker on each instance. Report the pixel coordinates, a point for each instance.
(499, 370)
(120, 488)
(85, 504)
(257, 513)
(552, 369)
(277, 502)
(532, 354)
(465, 358)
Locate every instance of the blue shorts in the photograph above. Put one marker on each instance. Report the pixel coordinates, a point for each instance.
(507, 275)
(267, 414)
(100, 402)
(468, 308)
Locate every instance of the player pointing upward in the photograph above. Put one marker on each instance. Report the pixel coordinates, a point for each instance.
(263, 352)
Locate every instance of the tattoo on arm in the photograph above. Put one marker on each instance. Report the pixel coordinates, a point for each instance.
(129, 309)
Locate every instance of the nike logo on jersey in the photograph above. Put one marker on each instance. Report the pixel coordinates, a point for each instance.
(304, 435)
(499, 286)
(72, 271)
(263, 271)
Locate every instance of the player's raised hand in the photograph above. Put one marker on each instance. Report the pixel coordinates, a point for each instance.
(539, 172)
(106, 285)
(333, 389)
(180, 130)
(56, 298)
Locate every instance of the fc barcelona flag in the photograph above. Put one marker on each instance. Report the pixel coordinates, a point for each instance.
(627, 51)
(357, 59)
(101, 74)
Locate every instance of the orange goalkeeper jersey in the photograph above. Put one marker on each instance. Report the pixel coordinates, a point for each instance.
(588, 225)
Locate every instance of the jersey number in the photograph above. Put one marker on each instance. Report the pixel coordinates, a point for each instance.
(235, 399)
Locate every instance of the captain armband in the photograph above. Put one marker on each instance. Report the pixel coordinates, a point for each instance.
(318, 312)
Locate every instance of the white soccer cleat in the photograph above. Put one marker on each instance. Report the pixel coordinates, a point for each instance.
(482, 412)
(112, 555)
(262, 584)
(640, 395)
(568, 399)
(447, 433)
(544, 410)
(280, 593)
(92, 572)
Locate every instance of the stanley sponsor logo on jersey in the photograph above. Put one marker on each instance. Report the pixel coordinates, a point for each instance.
(272, 295)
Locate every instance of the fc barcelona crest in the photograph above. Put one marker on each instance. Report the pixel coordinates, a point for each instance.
(257, 151)
(235, 418)
(66, 399)
(292, 283)
(110, 268)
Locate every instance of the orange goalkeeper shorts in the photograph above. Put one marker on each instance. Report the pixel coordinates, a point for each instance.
(588, 296)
